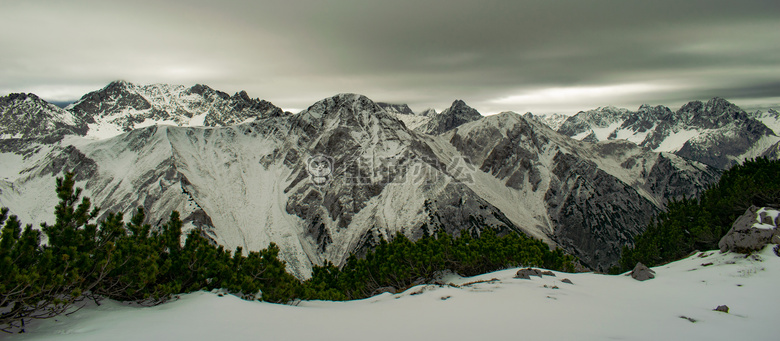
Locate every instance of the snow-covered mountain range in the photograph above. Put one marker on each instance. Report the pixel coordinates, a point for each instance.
(123, 106)
(717, 133)
(337, 177)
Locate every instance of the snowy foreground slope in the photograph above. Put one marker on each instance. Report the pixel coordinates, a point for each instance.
(594, 307)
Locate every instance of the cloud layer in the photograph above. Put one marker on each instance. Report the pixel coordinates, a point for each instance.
(539, 56)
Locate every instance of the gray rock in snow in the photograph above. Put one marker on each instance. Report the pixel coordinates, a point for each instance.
(642, 272)
(527, 273)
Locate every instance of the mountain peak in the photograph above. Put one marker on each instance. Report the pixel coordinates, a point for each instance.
(243, 95)
(19, 96)
(458, 113)
(119, 84)
(345, 107)
(719, 104)
(27, 116)
(717, 112)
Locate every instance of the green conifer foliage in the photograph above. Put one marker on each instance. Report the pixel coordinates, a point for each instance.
(699, 224)
(401, 263)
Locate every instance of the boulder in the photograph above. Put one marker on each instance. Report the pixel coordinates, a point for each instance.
(756, 228)
(527, 273)
(642, 272)
(567, 281)
(722, 308)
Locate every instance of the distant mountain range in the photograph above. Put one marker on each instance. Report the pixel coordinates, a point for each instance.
(337, 177)
(717, 133)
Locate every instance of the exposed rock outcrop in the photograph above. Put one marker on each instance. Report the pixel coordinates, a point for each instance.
(756, 228)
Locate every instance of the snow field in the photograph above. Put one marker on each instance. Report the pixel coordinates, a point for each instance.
(491, 306)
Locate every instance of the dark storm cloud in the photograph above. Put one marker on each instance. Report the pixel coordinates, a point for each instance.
(541, 56)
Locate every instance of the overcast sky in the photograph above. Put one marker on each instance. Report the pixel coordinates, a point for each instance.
(539, 56)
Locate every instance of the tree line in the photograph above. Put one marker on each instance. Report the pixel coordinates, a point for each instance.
(89, 259)
(692, 224)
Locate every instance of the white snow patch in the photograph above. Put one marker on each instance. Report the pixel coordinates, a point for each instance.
(602, 133)
(582, 135)
(198, 120)
(100, 131)
(630, 135)
(413, 121)
(11, 166)
(771, 121)
(770, 212)
(149, 122)
(676, 140)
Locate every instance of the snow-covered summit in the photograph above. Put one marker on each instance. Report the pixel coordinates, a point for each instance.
(349, 110)
(458, 113)
(122, 106)
(26, 116)
(593, 125)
